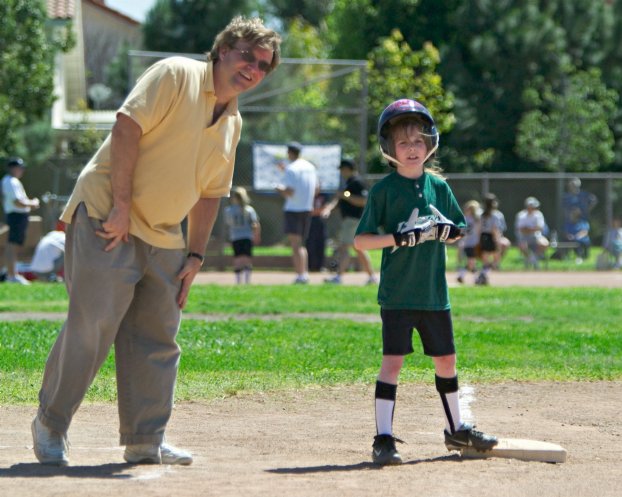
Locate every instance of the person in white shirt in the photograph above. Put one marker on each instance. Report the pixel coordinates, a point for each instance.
(48, 259)
(16, 206)
(530, 227)
(299, 186)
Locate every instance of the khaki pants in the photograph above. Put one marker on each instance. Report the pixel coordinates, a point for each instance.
(127, 297)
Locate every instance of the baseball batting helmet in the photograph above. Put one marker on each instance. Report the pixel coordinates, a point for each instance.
(401, 107)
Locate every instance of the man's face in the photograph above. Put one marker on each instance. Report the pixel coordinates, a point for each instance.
(244, 66)
(17, 172)
(345, 172)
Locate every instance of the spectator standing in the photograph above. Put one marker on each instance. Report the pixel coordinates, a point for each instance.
(17, 207)
(299, 187)
(530, 227)
(128, 268)
(492, 243)
(577, 205)
(316, 240)
(351, 200)
(575, 198)
(244, 232)
(613, 242)
(468, 245)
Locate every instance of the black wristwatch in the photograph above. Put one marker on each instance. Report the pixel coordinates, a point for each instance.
(197, 256)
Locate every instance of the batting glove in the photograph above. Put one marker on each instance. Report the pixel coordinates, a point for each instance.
(445, 228)
(445, 231)
(409, 238)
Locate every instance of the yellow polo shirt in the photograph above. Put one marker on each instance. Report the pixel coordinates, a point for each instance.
(182, 156)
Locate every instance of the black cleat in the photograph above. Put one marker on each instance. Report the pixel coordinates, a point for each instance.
(384, 451)
(467, 436)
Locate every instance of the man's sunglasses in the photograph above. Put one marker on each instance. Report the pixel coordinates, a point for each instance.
(249, 56)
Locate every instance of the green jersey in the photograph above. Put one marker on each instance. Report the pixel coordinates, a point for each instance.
(411, 277)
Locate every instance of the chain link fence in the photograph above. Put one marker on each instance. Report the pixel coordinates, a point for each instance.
(510, 188)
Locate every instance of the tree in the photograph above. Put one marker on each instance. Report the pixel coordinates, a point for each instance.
(397, 71)
(499, 49)
(26, 67)
(189, 26)
(567, 128)
(611, 66)
(311, 11)
(356, 26)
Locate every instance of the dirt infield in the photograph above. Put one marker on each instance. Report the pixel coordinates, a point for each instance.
(317, 442)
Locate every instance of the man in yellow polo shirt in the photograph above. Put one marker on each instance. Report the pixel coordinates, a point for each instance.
(128, 268)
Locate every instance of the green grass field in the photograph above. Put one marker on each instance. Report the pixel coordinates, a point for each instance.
(502, 334)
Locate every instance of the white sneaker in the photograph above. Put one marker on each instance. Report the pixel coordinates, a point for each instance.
(156, 454)
(50, 446)
(18, 278)
(173, 455)
(301, 280)
(335, 280)
(372, 280)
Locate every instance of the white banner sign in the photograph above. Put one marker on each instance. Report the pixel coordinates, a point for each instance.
(267, 157)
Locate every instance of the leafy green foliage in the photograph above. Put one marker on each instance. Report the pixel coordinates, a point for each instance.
(312, 12)
(567, 130)
(26, 66)
(189, 26)
(356, 26)
(397, 71)
(87, 139)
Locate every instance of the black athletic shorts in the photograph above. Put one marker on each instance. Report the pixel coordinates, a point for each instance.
(242, 247)
(298, 223)
(435, 331)
(470, 252)
(487, 242)
(18, 225)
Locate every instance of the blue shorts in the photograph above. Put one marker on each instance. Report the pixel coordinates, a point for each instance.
(435, 331)
(18, 225)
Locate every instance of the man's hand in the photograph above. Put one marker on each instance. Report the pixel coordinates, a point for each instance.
(116, 228)
(187, 275)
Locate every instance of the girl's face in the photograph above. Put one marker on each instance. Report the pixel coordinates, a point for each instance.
(411, 150)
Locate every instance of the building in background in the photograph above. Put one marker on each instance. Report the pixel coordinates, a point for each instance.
(99, 32)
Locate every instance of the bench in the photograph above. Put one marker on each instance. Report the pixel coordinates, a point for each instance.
(560, 250)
